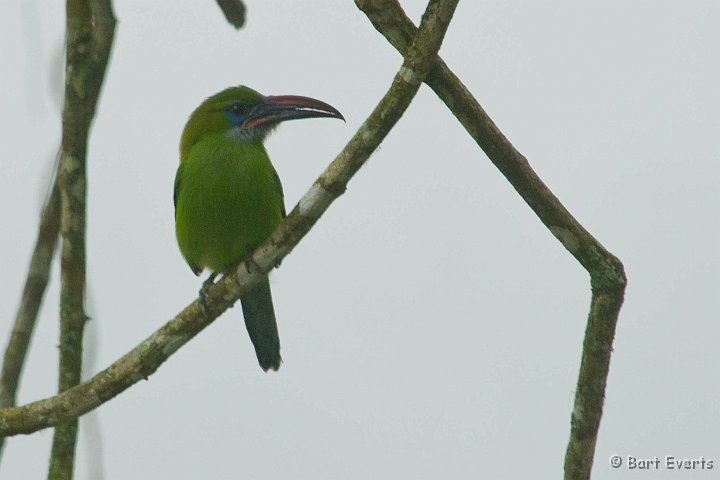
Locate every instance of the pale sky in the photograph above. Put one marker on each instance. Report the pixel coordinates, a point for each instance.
(430, 325)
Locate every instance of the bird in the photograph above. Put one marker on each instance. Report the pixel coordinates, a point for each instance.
(228, 197)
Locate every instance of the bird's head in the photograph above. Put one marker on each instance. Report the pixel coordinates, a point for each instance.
(245, 115)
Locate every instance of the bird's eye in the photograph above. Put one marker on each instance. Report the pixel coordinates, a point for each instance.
(238, 109)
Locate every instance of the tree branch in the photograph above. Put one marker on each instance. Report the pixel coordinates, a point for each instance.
(89, 29)
(607, 276)
(145, 358)
(33, 292)
(234, 11)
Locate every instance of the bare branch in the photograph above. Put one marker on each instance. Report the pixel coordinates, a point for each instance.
(234, 11)
(33, 292)
(145, 358)
(89, 29)
(607, 276)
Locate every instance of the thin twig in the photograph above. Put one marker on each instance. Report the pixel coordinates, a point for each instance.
(145, 358)
(89, 29)
(607, 276)
(33, 292)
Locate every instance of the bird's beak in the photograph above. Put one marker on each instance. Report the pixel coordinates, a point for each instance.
(275, 109)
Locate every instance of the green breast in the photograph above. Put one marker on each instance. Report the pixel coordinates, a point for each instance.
(228, 200)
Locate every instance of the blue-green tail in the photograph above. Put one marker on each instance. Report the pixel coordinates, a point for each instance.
(260, 321)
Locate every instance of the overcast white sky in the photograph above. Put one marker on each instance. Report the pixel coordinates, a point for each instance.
(430, 325)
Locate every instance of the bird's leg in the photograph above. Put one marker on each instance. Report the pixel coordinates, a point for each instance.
(204, 291)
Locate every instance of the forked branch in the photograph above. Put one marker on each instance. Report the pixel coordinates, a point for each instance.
(607, 275)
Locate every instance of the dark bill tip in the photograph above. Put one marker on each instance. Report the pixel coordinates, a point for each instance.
(280, 108)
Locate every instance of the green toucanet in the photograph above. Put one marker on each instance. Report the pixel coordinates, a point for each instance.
(228, 197)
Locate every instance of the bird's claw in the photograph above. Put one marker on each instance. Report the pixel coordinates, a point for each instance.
(202, 300)
(251, 265)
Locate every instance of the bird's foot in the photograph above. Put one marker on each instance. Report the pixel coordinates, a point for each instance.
(251, 265)
(202, 300)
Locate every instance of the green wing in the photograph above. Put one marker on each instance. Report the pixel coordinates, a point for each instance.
(176, 191)
(197, 270)
(279, 186)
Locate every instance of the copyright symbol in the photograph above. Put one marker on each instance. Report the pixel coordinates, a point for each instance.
(615, 461)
